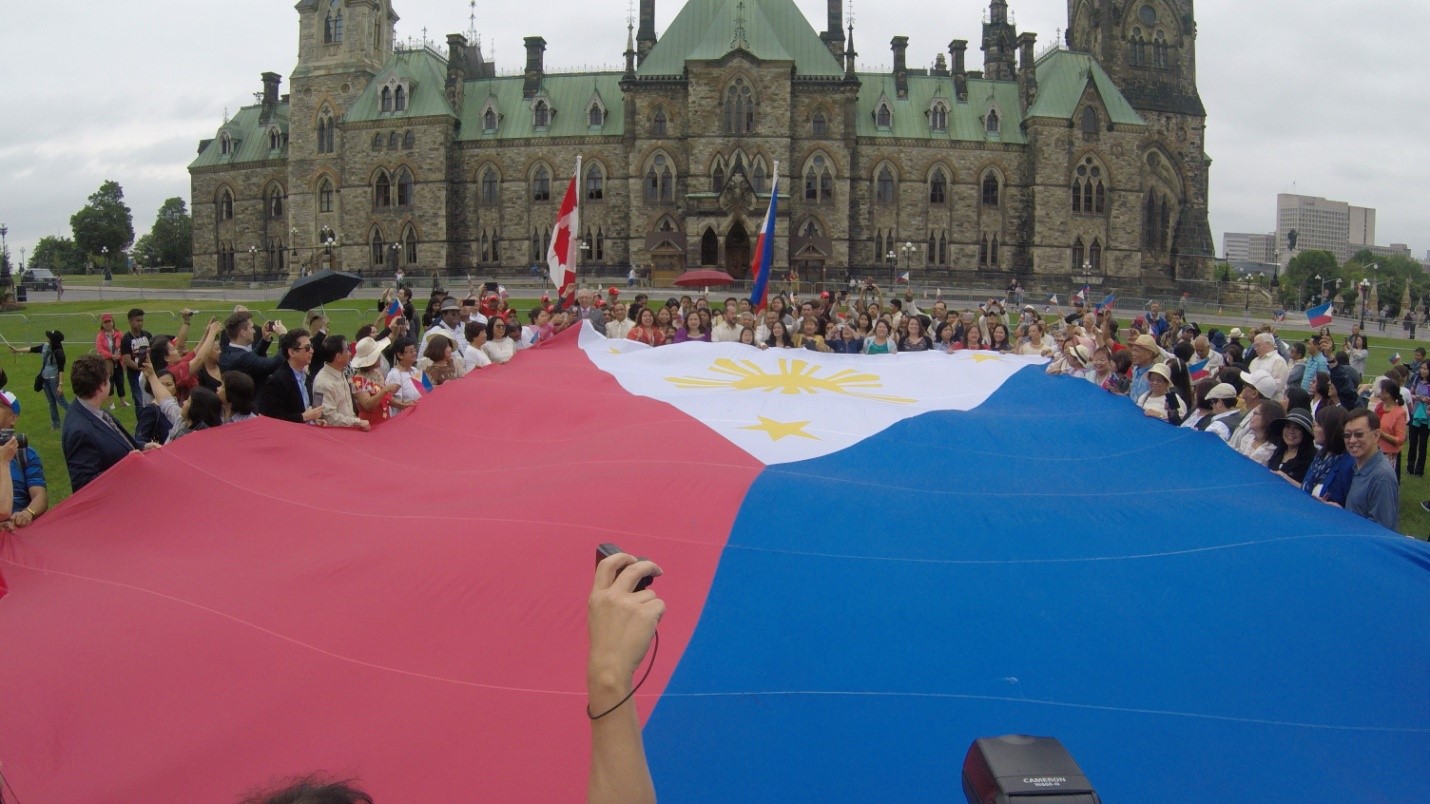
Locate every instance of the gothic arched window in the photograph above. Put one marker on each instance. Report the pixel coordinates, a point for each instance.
(595, 183)
(1089, 193)
(883, 116)
(378, 247)
(990, 190)
(595, 116)
(399, 99)
(1078, 254)
(541, 185)
(938, 117)
(405, 192)
(1094, 254)
(938, 187)
(717, 180)
(1090, 123)
(275, 203)
(382, 192)
(408, 140)
(992, 121)
(225, 206)
(489, 186)
(392, 141)
(409, 246)
(818, 181)
(884, 186)
(818, 125)
(739, 108)
(657, 123)
(541, 114)
(757, 179)
(386, 99)
(489, 120)
(325, 196)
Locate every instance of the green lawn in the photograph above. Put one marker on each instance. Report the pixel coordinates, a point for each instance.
(180, 281)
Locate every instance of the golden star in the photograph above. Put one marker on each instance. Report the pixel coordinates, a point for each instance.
(616, 351)
(983, 358)
(777, 430)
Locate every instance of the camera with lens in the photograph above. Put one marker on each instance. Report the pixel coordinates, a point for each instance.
(21, 440)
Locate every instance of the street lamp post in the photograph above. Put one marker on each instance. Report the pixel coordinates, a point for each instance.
(908, 248)
(253, 262)
(104, 252)
(893, 267)
(1364, 297)
(1246, 285)
(581, 266)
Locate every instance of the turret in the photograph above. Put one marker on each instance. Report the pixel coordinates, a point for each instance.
(456, 70)
(645, 36)
(999, 41)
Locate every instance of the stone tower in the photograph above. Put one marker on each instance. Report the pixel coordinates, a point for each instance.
(342, 45)
(1148, 47)
(1000, 40)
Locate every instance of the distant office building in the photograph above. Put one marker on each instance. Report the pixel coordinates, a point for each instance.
(1333, 226)
(1248, 247)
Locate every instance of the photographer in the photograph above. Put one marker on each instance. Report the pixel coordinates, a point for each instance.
(29, 497)
(242, 354)
(622, 624)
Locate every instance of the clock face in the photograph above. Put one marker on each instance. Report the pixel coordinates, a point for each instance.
(1148, 15)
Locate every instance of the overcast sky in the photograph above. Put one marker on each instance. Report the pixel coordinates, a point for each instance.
(1325, 99)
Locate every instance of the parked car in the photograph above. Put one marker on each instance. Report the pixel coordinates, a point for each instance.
(40, 279)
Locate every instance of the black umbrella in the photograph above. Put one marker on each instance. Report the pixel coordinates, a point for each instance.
(318, 289)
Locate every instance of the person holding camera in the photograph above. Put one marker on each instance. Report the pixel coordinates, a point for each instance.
(242, 354)
(287, 394)
(29, 494)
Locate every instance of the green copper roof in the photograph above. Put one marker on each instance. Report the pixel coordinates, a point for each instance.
(911, 119)
(773, 30)
(250, 139)
(1062, 77)
(569, 96)
(426, 73)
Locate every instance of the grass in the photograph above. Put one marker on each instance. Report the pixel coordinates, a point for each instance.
(179, 281)
(80, 323)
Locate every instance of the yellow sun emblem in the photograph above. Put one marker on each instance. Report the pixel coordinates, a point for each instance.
(793, 377)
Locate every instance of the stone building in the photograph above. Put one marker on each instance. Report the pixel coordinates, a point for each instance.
(1085, 159)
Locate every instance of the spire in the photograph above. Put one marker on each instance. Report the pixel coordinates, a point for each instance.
(849, 52)
(630, 48)
(738, 41)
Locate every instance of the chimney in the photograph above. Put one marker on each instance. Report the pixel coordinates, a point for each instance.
(900, 46)
(535, 47)
(270, 95)
(645, 35)
(456, 70)
(833, 35)
(957, 48)
(940, 66)
(1027, 74)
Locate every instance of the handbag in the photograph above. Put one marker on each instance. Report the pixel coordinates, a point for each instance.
(1420, 417)
(40, 381)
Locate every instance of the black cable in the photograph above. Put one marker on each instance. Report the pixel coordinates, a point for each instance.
(655, 648)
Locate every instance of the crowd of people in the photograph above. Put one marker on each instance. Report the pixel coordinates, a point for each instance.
(1297, 408)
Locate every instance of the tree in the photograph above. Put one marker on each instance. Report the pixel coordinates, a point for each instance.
(58, 254)
(171, 241)
(1390, 275)
(1301, 273)
(104, 223)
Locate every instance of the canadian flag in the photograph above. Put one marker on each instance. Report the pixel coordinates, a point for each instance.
(565, 248)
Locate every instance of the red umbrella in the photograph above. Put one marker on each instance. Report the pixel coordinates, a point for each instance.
(704, 278)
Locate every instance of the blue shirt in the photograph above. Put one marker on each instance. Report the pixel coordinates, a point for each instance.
(303, 387)
(1140, 385)
(1315, 364)
(25, 479)
(1375, 493)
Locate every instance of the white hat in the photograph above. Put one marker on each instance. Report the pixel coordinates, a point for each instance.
(368, 351)
(1263, 382)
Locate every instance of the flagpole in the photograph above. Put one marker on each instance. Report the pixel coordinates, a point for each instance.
(576, 235)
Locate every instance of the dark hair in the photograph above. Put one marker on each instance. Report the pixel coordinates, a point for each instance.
(1234, 353)
(1372, 421)
(159, 351)
(289, 341)
(333, 345)
(1181, 378)
(204, 409)
(4, 379)
(1121, 362)
(1343, 358)
(491, 326)
(437, 347)
(1200, 391)
(1389, 386)
(1298, 397)
(312, 790)
(235, 322)
(400, 345)
(786, 340)
(134, 313)
(88, 374)
(1298, 349)
(239, 390)
(365, 331)
(1270, 411)
(56, 338)
(471, 329)
(1333, 427)
(1183, 350)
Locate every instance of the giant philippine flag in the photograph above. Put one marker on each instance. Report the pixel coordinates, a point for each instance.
(869, 562)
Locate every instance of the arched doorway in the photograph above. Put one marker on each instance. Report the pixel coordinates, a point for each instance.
(709, 248)
(737, 251)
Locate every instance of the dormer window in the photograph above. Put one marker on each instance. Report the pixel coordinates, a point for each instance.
(991, 121)
(395, 94)
(595, 116)
(490, 118)
(938, 117)
(275, 138)
(225, 144)
(884, 115)
(541, 114)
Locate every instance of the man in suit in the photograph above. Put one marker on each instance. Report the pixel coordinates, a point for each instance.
(286, 394)
(241, 354)
(93, 440)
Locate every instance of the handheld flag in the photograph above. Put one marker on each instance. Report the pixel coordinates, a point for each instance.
(1320, 316)
(1054, 300)
(904, 277)
(765, 249)
(564, 251)
(1198, 371)
(1107, 303)
(392, 313)
(1395, 359)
